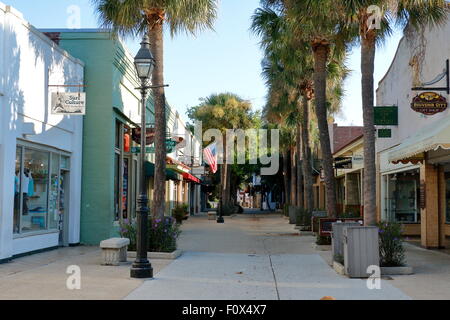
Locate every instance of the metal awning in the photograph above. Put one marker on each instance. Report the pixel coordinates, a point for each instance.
(429, 138)
(170, 174)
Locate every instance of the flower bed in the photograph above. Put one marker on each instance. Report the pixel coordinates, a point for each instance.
(162, 234)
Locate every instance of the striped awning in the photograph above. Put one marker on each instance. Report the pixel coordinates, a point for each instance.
(429, 138)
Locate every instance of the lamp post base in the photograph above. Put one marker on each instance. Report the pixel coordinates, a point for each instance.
(142, 271)
(220, 220)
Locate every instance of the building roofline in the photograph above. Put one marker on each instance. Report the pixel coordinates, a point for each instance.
(11, 10)
(361, 136)
(392, 62)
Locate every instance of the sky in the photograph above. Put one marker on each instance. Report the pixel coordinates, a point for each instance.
(226, 59)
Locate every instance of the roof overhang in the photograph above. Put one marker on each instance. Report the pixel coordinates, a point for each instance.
(430, 138)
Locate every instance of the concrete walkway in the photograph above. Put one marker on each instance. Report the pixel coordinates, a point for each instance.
(253, 257)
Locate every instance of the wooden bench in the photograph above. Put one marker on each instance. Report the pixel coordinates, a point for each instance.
(212, 215)
(114, 251)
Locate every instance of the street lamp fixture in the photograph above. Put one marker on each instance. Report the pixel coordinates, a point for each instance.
(144, 64)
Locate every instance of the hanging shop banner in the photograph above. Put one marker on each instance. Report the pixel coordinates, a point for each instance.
(429, 103)
(64, 103)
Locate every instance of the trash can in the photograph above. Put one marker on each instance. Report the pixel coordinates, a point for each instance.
(337, 238)
(361, 250)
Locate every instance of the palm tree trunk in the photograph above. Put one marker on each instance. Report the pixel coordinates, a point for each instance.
(321, 52)
(367, 69)
(293, 178)
(300, 196)
(286, 178)
(157, 47)
(307, 169)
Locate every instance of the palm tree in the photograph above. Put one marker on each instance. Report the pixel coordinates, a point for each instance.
(417, 13)
(133, 17)
(311, 28)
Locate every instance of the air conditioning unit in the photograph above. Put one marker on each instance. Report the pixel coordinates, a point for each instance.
(361, 250)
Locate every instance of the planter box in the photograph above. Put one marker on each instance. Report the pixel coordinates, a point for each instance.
(339, 268)
(159, 255)
(322, 247)
(393, 271)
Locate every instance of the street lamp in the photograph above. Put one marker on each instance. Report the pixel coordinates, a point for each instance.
(144, 64)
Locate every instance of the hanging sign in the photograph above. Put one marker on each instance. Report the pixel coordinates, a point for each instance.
(429, 103)
(170, 147)
(65, 103)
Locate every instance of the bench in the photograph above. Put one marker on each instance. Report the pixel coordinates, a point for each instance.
(211, 215)
(114, 251)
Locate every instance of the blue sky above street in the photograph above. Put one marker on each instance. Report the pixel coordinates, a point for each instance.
(224, 60)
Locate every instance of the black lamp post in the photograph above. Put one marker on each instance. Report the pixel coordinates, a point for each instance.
(144, 64)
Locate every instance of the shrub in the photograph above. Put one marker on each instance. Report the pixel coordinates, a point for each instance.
(128, 230)
(162, 234)
(392, 252)
(303, 217)
(323, 240)
(180, 212)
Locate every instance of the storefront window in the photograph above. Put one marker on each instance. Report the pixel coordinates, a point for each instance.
(116, 186)
(37, 190)
(35, 178)
(403, 189)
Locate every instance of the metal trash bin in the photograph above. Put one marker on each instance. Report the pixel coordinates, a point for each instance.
(361, 250)
(292, 215)
(337, 237)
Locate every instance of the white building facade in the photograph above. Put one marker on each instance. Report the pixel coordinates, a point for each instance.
(414, 164)
(40, 153)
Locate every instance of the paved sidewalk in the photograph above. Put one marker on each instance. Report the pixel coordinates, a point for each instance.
(253, 257)
(43, 276)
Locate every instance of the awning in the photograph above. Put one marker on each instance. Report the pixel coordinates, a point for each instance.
(170, 175)
(191, 178)
(429, 138)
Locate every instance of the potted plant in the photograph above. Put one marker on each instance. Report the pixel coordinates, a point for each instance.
(162, 238)
(180, 212)
(392, 252)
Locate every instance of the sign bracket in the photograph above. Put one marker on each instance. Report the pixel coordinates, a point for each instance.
(445, 74)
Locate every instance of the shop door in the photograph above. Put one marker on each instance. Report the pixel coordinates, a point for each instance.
(63, 221)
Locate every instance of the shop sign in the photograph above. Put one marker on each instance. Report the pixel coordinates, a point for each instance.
(358, 159)
(66, 103)
(384, 133)
(170, 147)
(386, 116)
(429, 103)
(343, 163)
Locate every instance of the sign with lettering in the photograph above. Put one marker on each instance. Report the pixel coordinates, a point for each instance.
(386, 116)
(170, 145)
(384, 133)
(429, 103)
(66, 103)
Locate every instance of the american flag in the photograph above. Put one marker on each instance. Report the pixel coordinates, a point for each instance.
(210, 153)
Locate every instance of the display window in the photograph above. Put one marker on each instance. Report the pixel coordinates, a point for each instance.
(37, 189)
(125, 174)
(403, 194)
